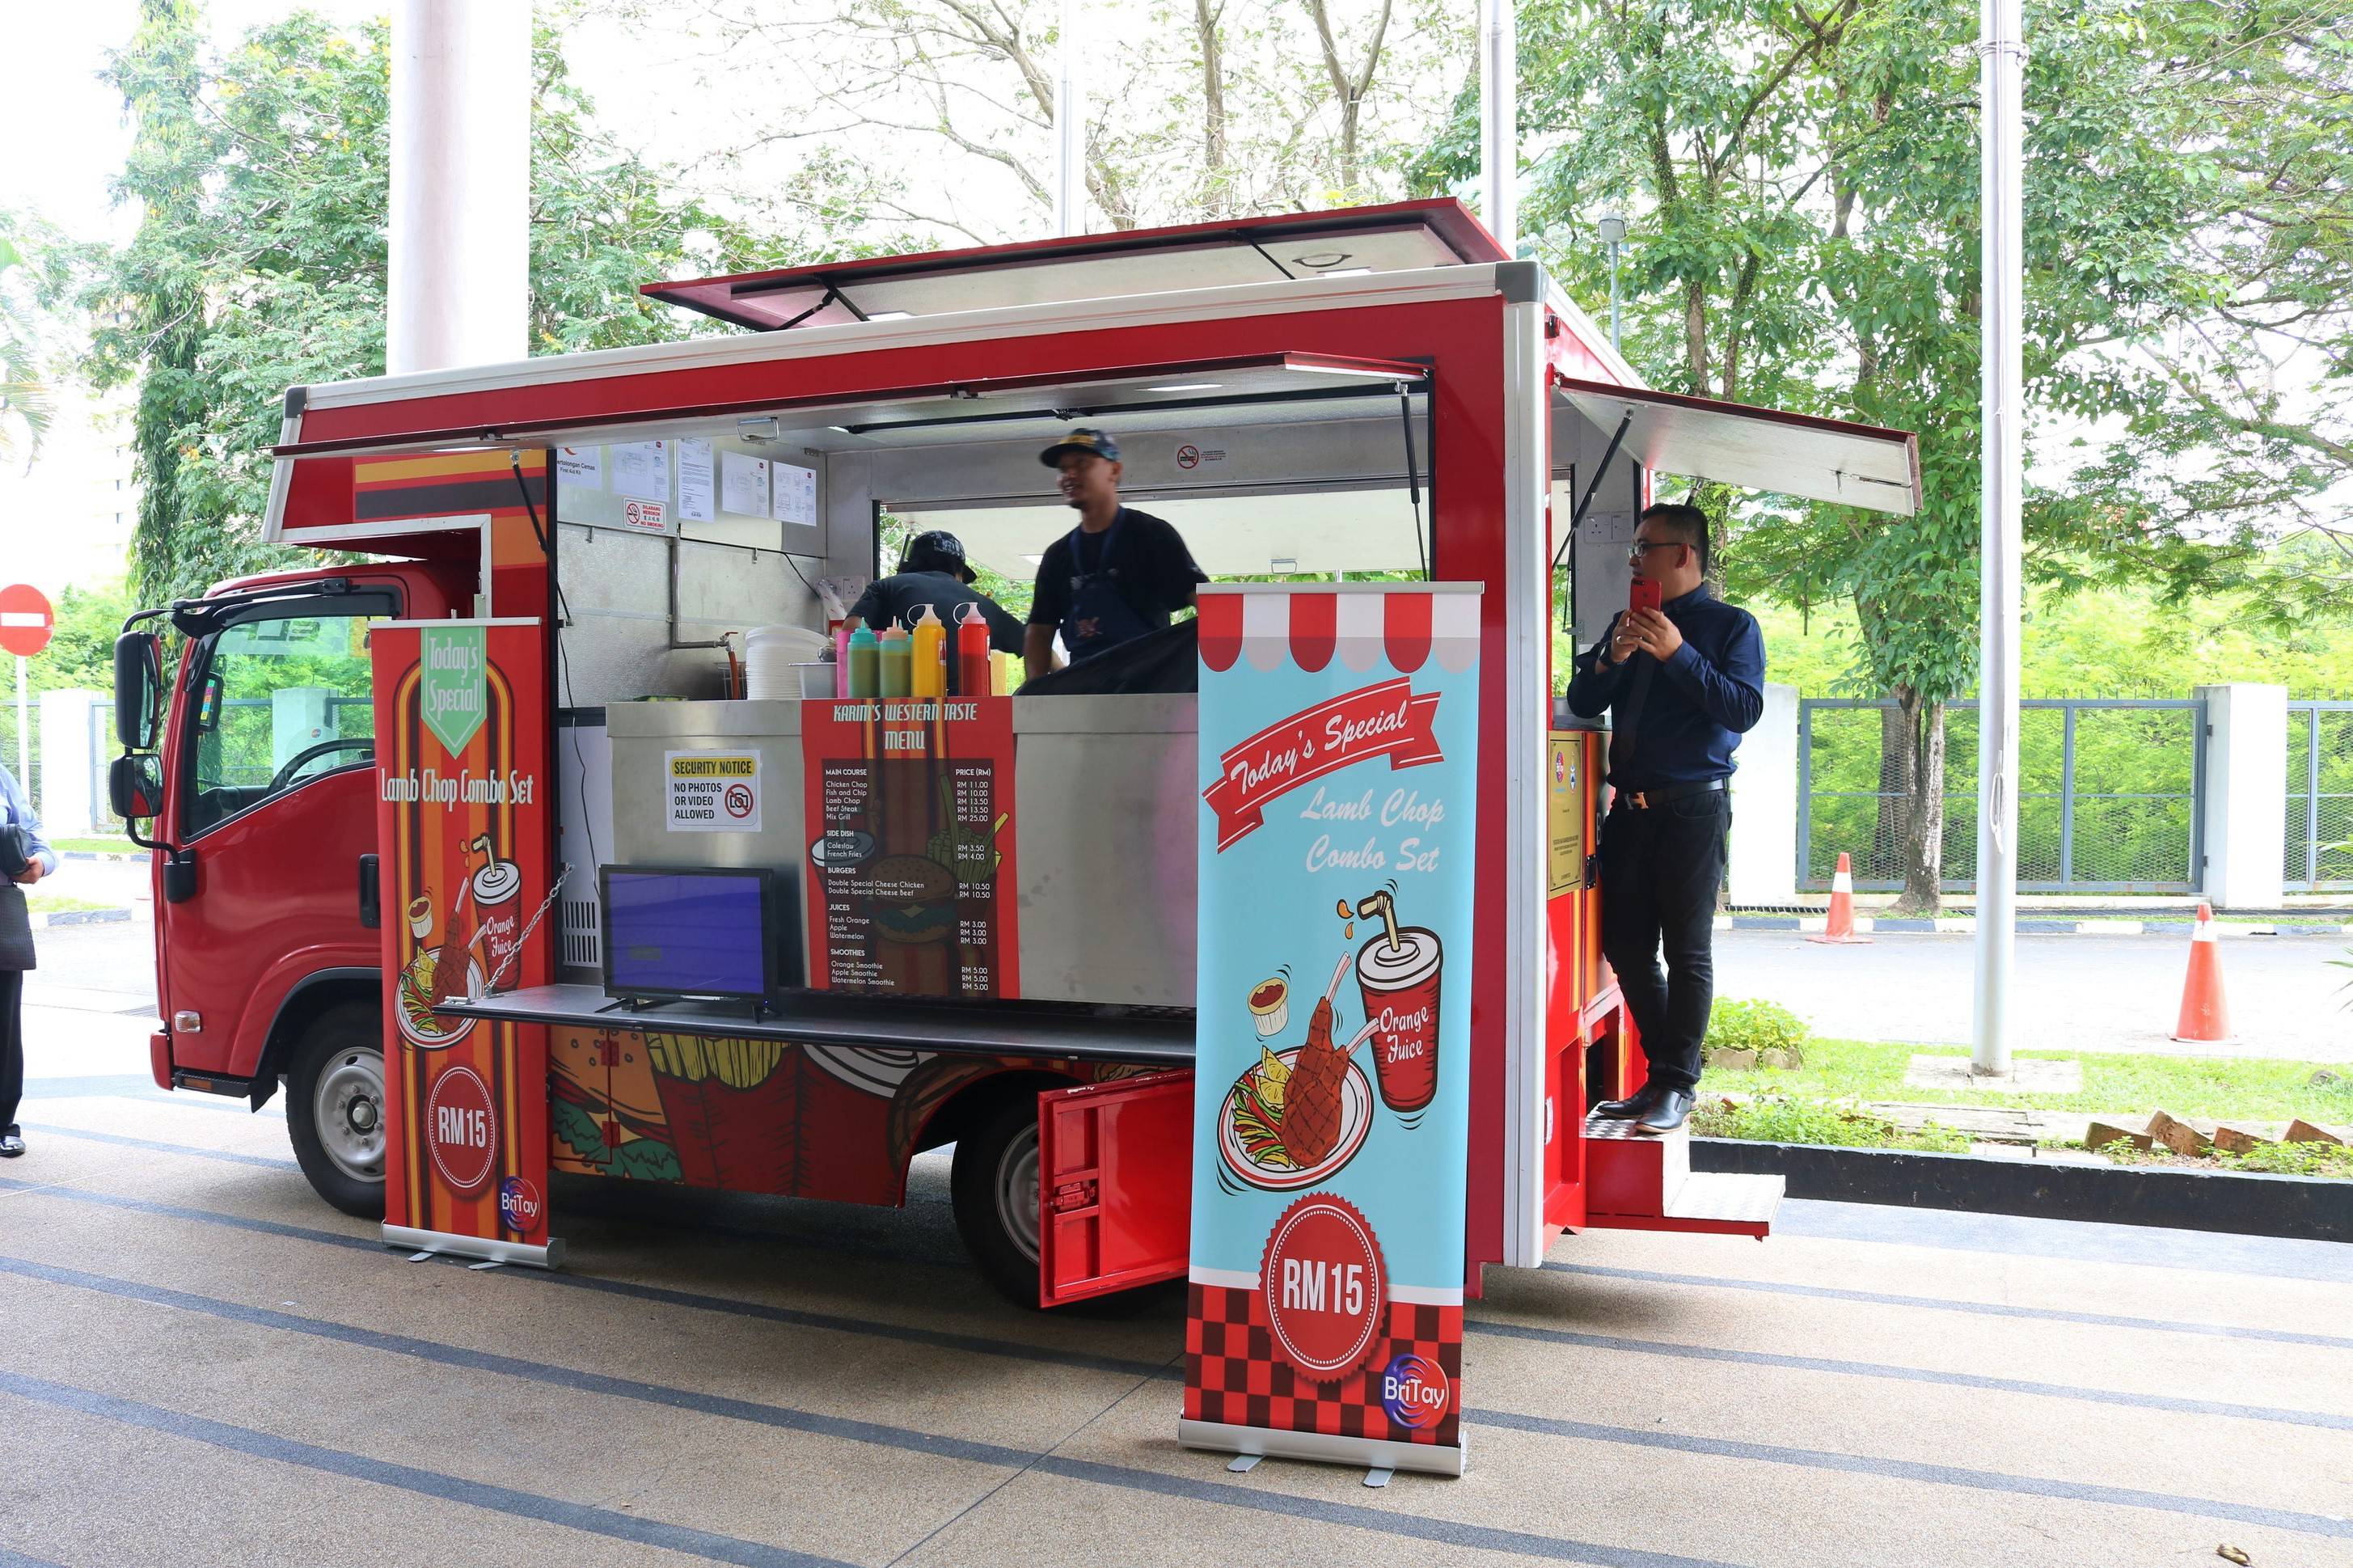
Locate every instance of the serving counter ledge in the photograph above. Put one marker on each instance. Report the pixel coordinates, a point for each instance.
(1159, 1037)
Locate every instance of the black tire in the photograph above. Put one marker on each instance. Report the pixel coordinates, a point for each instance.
(325, 1087)
(999, 1156)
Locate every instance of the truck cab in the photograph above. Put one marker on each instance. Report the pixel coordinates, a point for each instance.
(250, 777)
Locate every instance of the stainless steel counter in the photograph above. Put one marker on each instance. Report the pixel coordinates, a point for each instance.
(1106, 792)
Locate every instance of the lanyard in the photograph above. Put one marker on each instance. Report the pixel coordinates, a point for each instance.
(1102, 561)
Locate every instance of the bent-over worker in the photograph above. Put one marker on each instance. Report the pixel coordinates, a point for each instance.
(934, 570)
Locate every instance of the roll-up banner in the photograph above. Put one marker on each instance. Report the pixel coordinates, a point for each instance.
(1339, 765)
(463, 793)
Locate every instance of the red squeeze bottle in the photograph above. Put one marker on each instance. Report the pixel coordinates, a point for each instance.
(972, 653)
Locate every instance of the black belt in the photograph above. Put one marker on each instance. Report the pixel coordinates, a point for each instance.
(1643, 799)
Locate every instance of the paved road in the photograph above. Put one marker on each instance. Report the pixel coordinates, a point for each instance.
(203, 1365)
(2076, 993)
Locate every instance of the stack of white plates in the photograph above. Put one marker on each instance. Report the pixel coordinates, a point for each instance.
(772, 655)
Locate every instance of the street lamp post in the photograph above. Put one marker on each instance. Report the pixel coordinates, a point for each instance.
(1611, 227)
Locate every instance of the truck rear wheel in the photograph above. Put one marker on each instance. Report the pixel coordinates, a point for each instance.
(995, 1186)
(334, 1108)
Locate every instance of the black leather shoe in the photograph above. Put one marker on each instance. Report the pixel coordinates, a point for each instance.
(12, 1144)
(1666, 1113)
(1629, 1108)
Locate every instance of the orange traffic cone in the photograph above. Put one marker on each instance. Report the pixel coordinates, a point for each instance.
(1841, 922)
(2205, 1013)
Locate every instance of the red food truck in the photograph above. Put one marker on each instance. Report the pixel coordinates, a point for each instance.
(379, 795)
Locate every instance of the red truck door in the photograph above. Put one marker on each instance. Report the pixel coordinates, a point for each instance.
(1114, 1185)
(269, 810)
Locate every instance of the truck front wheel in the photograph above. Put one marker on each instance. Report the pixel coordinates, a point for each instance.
(334, 1108)
(995, 1186)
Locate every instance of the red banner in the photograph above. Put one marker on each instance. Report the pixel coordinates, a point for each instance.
(464, 793)
(1372, 722)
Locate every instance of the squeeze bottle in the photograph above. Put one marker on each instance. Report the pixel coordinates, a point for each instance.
(840, 659)
(972, 653)
(865, 667)
(927, 650)
(893, 645)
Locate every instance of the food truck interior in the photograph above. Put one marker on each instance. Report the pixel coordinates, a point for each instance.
(1314, 396)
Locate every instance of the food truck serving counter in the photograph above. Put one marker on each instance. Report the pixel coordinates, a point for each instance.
(1291, 988)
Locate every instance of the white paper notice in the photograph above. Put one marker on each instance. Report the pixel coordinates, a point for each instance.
(697, 501)
(743, 484)
(642, 468)
(581, 467)
(796, 493)
(714, 791)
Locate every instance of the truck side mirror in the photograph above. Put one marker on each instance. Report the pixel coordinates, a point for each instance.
(134, 787)
(137, 690)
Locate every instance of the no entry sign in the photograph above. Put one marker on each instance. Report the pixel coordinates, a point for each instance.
(25, 620)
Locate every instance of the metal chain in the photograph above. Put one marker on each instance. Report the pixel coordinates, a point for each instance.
(532, 925)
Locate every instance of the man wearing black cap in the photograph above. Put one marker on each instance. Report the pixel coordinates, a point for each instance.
(1118, 574)
(933, 570)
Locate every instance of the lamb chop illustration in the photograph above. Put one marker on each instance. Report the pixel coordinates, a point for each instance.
(1312, 1102)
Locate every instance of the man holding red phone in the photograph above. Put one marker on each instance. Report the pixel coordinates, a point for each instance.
(1682, 674)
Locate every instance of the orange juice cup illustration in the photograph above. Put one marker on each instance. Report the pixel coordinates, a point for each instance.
(1397, 974)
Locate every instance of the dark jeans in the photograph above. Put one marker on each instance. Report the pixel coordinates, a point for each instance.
(12, 1044)
(1660, 872)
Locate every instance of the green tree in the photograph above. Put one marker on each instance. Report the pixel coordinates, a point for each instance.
(263, 178)
(35, 265)
(1807, 180)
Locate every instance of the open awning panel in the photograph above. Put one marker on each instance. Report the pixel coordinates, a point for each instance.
(1289, 246)
(1757, 448)
(983, 408)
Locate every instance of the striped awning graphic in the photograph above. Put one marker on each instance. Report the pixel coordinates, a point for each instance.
(1359, 625)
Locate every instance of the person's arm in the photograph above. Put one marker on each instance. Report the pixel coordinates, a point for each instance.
(1004, 633)
(43, 859)
(1594, 683)
(868, 610)
(1730, 688)
(1038, 650)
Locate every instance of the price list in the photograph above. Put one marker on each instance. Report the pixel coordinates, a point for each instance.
(845, 799)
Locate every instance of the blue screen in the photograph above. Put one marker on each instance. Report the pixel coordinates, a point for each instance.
(668, 932)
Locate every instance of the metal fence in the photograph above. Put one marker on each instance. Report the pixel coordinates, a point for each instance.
(13, 746)
(2319, 843)
(2110, 794)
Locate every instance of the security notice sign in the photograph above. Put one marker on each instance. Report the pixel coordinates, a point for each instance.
(714, 791)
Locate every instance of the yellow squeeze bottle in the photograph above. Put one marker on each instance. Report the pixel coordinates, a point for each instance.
(894, 662)
(929, 672)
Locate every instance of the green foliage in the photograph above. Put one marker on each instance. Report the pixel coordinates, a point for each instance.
(1803, 191)
(2294, 1159)
(35, 265)
(1756, 1027)
(259, 263)
(1787, 1119)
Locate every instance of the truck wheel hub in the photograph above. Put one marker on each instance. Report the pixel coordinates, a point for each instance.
(1016, 1192)
(347, 1109)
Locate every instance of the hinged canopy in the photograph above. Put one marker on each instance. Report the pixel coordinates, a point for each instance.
(1757, 448)
(1395, 238)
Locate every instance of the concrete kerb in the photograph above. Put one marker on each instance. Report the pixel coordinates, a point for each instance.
(1966, 925)
(2299, 1208)
(43, 920)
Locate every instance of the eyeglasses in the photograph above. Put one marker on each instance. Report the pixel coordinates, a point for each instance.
(1634, 553)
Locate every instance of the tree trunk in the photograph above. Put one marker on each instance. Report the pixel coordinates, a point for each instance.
(1216, 200)
(1924, 838)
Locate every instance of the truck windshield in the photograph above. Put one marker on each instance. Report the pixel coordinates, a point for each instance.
(279, 702)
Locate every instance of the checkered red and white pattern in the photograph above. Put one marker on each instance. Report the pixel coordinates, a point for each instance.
(1233, 1376)
(1270, 627)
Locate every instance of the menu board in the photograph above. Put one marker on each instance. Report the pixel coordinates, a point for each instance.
(910, 834)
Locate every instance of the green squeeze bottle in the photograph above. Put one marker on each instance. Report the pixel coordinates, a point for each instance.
(897, 661)
(865, 663)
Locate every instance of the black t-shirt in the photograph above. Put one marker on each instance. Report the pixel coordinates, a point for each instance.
(900, 599)
(1150, 568)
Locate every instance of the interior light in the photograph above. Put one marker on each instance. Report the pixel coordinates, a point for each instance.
(1322, 259)
(1348, 272)
(1035, 560)
(1189, 386)
(1284, 566)
(889, 315)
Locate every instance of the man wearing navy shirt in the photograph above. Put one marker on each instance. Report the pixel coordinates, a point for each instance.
(1682, 683)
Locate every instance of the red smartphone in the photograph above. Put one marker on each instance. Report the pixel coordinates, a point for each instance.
(1645, 595)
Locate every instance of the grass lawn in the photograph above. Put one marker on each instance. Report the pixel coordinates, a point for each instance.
(2256, 1089)
(96, 846)
(42, 903)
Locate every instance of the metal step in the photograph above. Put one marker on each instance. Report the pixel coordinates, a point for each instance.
(1638, 1181)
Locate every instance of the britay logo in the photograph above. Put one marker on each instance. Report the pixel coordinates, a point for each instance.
(1414, 1391)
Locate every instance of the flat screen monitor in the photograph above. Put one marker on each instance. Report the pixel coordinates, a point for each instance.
(681, 931)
